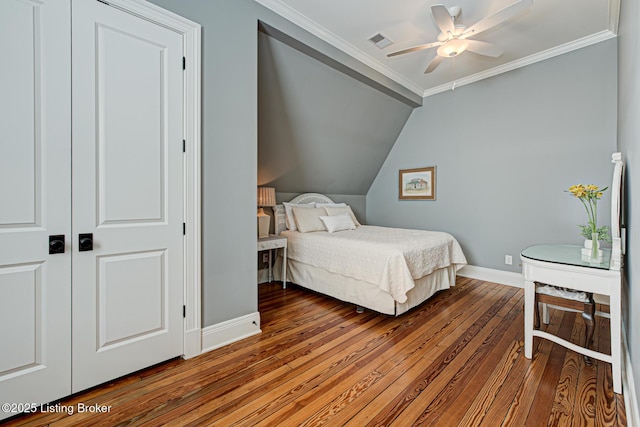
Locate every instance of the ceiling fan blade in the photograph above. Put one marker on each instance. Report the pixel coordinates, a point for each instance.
(414, 49)
(484, 48)
(434, 64)
(443, 19)
(499, 17)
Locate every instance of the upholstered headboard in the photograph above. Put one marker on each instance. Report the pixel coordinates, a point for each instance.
(280, 222)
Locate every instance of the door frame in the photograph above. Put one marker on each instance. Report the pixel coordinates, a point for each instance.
(191, 35)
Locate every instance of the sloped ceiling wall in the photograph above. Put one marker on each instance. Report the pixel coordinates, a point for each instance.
(320, 130)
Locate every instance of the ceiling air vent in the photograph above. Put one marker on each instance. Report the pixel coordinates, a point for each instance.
(380, 41)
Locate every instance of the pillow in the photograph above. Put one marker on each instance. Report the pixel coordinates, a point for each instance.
(335, 223)
(308, 220)
(288, 213)
(342, 211)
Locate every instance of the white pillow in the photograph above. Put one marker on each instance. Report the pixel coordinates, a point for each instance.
(342, 211)
(288, 213)
(308, 220)
(338, 223)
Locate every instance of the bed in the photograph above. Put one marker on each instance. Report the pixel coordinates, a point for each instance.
(388, 270)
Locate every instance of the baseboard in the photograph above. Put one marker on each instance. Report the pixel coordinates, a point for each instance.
(628, 385)
(502, 277)
(230, 331)
(263, 275)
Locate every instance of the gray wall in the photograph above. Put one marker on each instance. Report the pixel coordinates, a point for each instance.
(628, 144)
(319, 130)
(505, 148)
(490, 141)
(229, 154)
(229, 142)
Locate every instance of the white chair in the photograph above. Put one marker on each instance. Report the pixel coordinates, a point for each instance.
(584, 283)
(568, 299)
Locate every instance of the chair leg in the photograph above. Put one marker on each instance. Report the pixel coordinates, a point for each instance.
(588, 313)
(545, 314)
(589, 320)
(536, 313)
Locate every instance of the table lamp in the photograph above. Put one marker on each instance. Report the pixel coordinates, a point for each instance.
(266, 197)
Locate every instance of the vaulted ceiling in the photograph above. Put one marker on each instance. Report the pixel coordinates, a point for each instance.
(550, 28)
(320, 130)
(327, 130)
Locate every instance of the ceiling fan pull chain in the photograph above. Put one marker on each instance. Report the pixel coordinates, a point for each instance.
(455, 74)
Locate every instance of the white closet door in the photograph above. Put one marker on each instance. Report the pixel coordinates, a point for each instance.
(35, 201)
(127, 192)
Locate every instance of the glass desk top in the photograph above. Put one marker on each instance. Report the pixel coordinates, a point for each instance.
(565, 254)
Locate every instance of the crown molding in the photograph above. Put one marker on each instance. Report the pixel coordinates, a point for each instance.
(614, 15)
(317, 30)
(292, 15)
(531, 59)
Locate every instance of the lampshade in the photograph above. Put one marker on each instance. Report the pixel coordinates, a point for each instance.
(266, 196)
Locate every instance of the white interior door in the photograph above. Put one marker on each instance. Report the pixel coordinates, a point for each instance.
(35, 201)
(127, 192)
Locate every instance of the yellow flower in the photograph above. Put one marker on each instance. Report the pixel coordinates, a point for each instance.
(589, 196)
(577, 190)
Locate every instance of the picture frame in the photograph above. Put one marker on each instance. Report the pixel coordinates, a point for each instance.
(417, 184)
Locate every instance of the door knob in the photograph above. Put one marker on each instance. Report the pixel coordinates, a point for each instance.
(85, 242)
(56, 244)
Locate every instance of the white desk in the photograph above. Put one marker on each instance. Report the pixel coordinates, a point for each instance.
(274, 242)
(562, 265)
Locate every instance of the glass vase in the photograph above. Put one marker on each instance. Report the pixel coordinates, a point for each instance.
(594, 246)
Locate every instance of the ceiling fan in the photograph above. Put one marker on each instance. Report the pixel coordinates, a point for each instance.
(454, 39)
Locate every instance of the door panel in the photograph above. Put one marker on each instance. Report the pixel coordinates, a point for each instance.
(132, 141)
(35, 200)
(21, 121)
(22, 309)
(132, 291)
(127, 187)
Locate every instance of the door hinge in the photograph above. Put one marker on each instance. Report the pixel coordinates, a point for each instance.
(184, 311)
(184, 61)
(184, 228)
(184, 146)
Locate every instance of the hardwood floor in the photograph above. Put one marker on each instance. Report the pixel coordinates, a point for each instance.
(456, 360)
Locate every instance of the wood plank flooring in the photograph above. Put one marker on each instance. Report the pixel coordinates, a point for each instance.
(456, 360)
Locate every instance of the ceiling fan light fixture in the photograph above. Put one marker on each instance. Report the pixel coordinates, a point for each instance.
(453, 48)
(452, 38)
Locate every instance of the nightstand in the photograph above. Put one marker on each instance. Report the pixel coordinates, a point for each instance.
(275, 242)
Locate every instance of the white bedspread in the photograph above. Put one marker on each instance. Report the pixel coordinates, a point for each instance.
(387, 257)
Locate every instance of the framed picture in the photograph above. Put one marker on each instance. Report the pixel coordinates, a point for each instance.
(418, 184)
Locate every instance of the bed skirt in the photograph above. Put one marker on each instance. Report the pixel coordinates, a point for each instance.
(363, 293)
